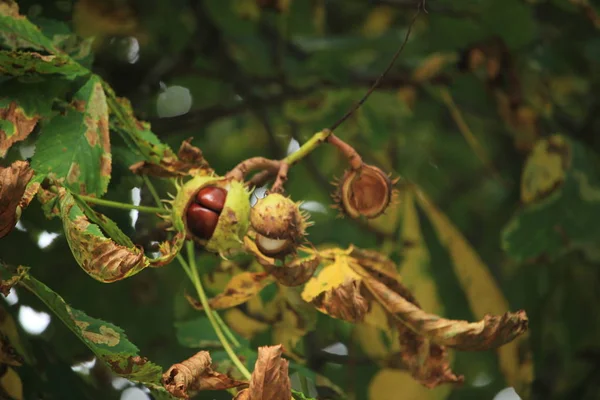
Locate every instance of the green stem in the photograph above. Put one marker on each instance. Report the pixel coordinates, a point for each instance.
(153, 191)
(211, 317)
(226, 329)
(307, 147)
(122, 206)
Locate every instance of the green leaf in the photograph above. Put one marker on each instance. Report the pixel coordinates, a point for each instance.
(196, 333)
(560, 189)
(107, 224)
(17, 32)
(107, 341)
(135, 133)
(75, 147)
(19, 63)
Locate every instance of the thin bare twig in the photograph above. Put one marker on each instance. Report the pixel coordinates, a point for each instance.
(356, 106)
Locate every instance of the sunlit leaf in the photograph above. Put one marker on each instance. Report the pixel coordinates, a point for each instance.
(336, 290)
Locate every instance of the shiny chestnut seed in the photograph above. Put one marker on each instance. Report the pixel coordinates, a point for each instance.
(212, 197)
(201, 221)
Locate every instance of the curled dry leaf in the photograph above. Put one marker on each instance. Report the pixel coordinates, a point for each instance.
(295, 273)
(9, 279)
(241, 288)
(195, 374)
(189, 161)
(99, 256)
(270, 380)
(338, 290)
(17, 126)
(13, 185)
(489, 333)
(168, 250)
(427, 362)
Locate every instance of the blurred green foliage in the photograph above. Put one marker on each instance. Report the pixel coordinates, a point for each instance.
(490, 110)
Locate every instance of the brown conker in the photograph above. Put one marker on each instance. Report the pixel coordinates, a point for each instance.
(203, 214)
(212, 197)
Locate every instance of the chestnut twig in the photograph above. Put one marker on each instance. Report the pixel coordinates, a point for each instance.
(261, 178)
(354, 159)
(281, 178)
(240, 171)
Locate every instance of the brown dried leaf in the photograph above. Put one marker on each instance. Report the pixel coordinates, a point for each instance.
(194, 374)
(489, 333)
(168, 250)
(99, 256)
(338, 289)
(296, 273)
(7, 284)
(427, 362)
(13, 184)
(241, 288)
(270, 380)
(189, 161)
(22, 126)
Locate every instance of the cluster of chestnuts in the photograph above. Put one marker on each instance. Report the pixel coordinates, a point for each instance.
(215, 211)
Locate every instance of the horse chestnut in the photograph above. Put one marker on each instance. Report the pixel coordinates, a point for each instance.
(214, 212)
(279, 225)
(203, 215)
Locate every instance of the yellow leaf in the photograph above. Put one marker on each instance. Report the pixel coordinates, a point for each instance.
(244, 325)
(545, 169)
(11, 384)
(241, 288)
(336, 290)
(331, 277)
(375, 336)
(415, 267)
(433, 65)
(481, 290)
(387, 382)
(378, 21)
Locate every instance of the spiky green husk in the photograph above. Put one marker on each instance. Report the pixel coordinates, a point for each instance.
(279, 224)
(234, 219)
(278, 217)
